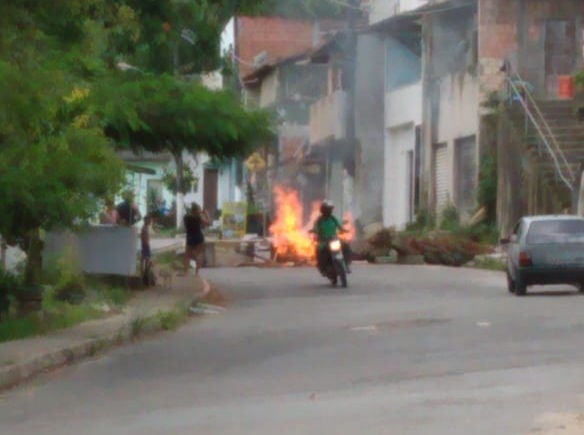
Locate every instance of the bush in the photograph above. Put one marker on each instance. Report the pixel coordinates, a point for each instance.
(10, 285)
(487, 189)
(424, 221)
(65, 279)
(450, 219)
(382, 239)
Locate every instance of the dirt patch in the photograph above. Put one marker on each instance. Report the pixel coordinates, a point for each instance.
(215, 297)
(559, 424)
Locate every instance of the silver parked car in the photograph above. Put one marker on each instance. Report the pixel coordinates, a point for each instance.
(545, 250)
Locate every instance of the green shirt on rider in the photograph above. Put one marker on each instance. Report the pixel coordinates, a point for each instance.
(326, 228)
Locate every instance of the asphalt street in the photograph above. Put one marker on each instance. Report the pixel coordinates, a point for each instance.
(404, 350)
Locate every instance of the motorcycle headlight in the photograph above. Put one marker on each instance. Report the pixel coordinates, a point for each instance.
(335, 245)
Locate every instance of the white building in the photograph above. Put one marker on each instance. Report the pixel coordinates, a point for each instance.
(431, 106)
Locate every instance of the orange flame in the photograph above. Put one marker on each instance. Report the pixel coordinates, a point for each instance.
(290, 236)
(349, 226)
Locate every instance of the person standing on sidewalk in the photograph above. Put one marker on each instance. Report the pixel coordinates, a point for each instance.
(146, 252)
(194, 222)
(127, 211)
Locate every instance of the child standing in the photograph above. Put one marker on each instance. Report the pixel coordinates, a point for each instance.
(146, 263)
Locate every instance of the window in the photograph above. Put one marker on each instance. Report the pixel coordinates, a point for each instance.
(555, 231)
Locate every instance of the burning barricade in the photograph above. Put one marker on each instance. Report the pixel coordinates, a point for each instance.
(291, 238)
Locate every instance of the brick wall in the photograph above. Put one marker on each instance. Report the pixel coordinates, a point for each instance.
(280, 38)
(514, 30)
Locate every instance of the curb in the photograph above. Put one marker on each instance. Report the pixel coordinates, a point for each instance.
(162, 320)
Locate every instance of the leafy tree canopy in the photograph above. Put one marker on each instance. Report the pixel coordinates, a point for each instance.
(179, 35)
(160, 113)
(55, 161)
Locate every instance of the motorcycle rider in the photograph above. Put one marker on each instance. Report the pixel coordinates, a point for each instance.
(326, 228)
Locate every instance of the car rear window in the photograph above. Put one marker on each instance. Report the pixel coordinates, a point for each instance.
(554, 231)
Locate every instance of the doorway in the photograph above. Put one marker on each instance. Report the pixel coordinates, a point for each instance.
(211, 185)
(560, 52)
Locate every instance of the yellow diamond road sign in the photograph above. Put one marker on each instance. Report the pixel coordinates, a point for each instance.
(255, 163)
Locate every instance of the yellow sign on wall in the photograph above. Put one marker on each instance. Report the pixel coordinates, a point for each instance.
(255, 163)
(234, 220)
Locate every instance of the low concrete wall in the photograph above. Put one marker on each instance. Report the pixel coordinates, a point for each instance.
(104, 249)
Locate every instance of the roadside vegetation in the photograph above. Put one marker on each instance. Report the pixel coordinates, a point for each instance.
(448, 243)
(68, 298)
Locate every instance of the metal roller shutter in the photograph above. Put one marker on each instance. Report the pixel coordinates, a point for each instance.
(441, 178)
(466, 174)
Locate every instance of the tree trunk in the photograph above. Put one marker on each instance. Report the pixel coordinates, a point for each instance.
(3, 248)
(34, 262)
(30, 300)
(180, 198)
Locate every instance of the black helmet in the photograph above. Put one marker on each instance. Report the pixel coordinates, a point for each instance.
(327, 207)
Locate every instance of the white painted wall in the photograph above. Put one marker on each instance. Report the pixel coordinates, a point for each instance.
(459, 115)
(228, 189)
(459, 104)
(138, 183)
(404, 106)
(383, 9)
(396, 198)
(403, 111)
(197, 165)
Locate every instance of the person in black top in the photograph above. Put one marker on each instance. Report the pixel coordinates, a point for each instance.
(194, 222)
(127, 211)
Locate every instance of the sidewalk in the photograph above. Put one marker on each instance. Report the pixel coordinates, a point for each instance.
(167, 244)
(148, 311)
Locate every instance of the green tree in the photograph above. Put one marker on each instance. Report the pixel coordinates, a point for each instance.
(55, 160)
(163, 114)
(178, 36)
(162, 108)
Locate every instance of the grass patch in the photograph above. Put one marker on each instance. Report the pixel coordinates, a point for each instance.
(165, 233)
(116, 296)
(171, 320)
(165, 258)
(57, 314)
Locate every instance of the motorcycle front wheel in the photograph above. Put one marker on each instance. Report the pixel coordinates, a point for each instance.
(341, 272)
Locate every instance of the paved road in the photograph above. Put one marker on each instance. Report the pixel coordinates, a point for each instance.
(407, 350)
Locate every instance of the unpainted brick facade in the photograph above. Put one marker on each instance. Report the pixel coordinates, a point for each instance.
(278, 37)
(517, 30)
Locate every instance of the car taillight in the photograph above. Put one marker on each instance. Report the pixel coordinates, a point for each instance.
(525, 260)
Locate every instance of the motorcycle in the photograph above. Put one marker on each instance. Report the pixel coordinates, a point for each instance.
(335, 267)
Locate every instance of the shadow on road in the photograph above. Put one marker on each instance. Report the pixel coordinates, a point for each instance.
(551, 294)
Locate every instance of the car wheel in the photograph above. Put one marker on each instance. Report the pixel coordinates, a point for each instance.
(510, 283)
(520, 286)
